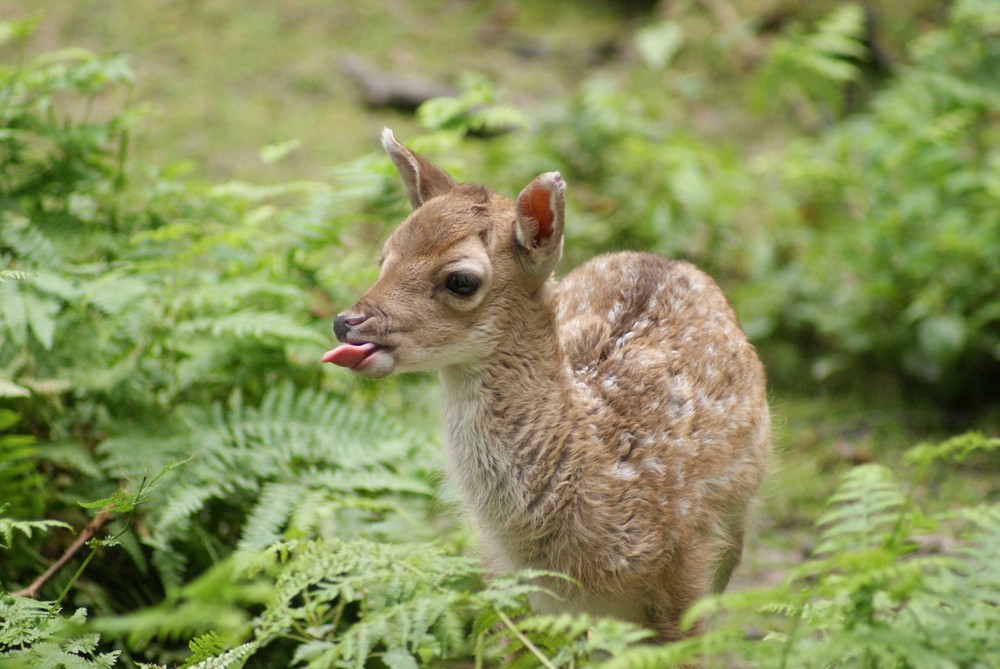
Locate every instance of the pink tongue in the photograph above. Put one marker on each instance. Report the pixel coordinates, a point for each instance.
(348, 355)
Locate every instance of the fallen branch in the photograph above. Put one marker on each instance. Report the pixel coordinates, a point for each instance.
(92, 528)
(385, 89)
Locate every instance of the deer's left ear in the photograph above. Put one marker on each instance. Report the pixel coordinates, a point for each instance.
(540, 210)
(422, 179)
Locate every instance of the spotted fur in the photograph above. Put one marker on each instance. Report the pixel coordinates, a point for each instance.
(612, 426)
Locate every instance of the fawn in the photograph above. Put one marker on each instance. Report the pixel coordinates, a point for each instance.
(612, 426)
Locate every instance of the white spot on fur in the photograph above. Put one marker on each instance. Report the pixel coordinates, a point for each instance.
(621, 341)
(654, 465)
(617, 309)
(624, 471)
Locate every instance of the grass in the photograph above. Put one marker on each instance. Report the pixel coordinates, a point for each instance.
(227, 77)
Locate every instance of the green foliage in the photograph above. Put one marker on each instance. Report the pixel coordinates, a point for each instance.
(475, 111)
(874, 594)
(346, 601)
(18, 475)
(955, 449)
(896, 264)
(301, 463)
(32, 635)
(808, 71)
(26, 527)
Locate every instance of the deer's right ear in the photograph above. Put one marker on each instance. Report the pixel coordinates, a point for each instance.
(422, 179)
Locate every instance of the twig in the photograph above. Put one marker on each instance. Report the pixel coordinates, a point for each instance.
(92, 528)
(526, 641)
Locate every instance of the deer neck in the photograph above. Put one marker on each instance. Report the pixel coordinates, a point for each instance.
(509, 420)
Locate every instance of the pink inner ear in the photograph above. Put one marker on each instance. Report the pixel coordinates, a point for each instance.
(538, 206)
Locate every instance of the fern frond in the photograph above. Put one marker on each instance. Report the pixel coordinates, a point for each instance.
(510, 590)
(569, 638)
(171, 621)
(22, 620)
(253, 324)
(299, 455)
(19, 476)
(407, 591)
(113, 293)
(956, 449)
(863, 511)
(230, 658)
(28, 241)
(31, 635)
(377, 478)
(15, 275)
(410, 624)
(269, 515)
(9, 526)
(208, 298)
(13, 314)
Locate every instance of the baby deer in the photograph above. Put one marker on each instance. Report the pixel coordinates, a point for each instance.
(612, 426)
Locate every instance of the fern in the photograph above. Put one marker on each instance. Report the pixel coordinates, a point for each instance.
(868, 599)
(474, 111)
(300, 456)
(957, 449)
(863, 512)
(9, 526)
(404, 598)
(812, 67)
(229, 658)
(265, 522)
(19, 478)
(15, 275)
(252, 324)
(31, 635)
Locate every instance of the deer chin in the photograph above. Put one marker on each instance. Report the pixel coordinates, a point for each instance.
(366, 358)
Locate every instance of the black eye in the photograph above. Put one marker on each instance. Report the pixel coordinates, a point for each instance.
(461, 284)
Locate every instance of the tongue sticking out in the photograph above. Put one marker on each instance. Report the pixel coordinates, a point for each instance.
(349, 355)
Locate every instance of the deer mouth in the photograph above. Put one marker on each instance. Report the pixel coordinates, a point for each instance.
(353, 356)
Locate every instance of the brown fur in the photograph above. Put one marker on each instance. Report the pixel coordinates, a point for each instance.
(613, 426)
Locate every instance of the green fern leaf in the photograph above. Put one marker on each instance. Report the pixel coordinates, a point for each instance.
(863, 511)
(269, 515)
(9, 526)
(252, 324)
(230, 658)
(15, 275)
(28, 241)
(13, 314)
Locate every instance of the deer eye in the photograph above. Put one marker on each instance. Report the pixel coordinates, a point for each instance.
(461, 284)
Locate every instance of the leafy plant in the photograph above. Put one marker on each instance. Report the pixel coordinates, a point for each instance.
(808, 71)
(894, 263)
(874, 594)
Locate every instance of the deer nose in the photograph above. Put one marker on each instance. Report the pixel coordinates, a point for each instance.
(345, 321)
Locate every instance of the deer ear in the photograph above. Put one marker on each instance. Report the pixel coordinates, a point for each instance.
(422, 179)
(538, 224)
